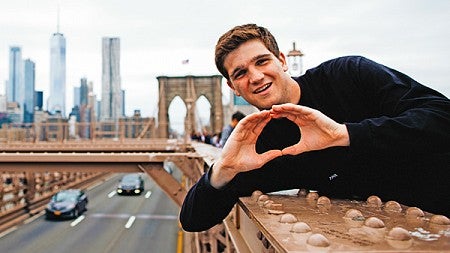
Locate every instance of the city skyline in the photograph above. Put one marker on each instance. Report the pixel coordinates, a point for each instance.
(412, 36)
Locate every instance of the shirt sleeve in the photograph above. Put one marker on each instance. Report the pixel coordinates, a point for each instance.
(206, 206)
(410, 117)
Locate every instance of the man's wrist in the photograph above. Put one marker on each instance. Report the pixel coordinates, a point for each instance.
(219, 176)
(344, 139)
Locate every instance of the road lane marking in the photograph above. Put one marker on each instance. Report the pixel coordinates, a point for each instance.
(78, 220)
(138, 216)
(148, 194)
(101, 182)
(157, 217)
(95, 185)
(9, 230)
(111, 194)
(130, 222)
(109, 215)
(33, 218)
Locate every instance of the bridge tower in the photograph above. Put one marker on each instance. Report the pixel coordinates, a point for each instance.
(189, 89)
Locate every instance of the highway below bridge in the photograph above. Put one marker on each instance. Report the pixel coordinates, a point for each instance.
(112, 224)
(155, 220)
(293, 221)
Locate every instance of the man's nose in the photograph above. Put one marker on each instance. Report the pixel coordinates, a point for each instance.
(255, 75)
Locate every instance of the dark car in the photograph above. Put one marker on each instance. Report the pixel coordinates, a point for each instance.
(130, 184)
(67, 204)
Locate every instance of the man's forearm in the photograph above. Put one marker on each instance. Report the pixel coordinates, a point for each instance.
(220, 175)
(205, 206)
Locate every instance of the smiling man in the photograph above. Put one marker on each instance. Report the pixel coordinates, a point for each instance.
(348, 128)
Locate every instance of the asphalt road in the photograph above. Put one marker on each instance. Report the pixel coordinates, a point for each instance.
(112, 224)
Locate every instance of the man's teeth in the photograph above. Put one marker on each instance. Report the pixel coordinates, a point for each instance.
(262, 88)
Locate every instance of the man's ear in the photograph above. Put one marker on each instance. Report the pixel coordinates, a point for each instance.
(282, 59)
(230, 84)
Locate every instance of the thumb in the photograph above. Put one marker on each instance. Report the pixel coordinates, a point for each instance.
(291, 150)
(270, 155)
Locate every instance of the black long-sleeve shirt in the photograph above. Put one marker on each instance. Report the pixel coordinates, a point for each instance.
(399, 145)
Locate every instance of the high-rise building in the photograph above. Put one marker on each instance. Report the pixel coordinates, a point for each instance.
(28, 93)
(14, 88)
(38, 100)
(76, 96)
(112, 103)
(80, 98)
(123, 103)
(57, 96)
(83, 109)
(84, 91)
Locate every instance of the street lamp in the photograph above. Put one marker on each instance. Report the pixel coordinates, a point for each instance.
(295, 64)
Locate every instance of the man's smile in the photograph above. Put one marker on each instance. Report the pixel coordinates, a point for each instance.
(263, 88)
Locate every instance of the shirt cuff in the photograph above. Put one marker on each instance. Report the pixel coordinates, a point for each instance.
(207, 182)
(360, 138)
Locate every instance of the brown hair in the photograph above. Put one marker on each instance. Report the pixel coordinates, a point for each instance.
(237, 36)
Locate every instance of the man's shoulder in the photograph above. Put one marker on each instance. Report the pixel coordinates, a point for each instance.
(341, 64)
(349, 59)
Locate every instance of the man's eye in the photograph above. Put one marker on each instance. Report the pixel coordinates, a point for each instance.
(238, 74)
(261, 61)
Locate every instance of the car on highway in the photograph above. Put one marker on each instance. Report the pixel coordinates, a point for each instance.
(68, 203)
(130, 184)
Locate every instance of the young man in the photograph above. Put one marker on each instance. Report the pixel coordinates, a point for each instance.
(349, 128)
(226, 132)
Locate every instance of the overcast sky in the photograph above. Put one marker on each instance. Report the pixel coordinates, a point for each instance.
(411, 36)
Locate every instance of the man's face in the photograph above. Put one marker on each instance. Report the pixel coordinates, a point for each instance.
(259, 76)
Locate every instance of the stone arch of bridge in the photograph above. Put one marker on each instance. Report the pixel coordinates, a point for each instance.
(189, 89)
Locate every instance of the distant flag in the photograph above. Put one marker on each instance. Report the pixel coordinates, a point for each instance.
(186, 61)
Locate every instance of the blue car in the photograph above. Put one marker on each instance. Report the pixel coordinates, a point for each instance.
(67, 204)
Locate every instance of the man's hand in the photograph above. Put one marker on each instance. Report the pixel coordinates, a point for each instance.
(239, 153)
(317, 130)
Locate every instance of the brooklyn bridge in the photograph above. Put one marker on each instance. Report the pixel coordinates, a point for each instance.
(38, 160)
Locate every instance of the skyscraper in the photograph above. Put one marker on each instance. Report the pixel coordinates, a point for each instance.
(84, 91)
(14, 88)
(76, 96)
(28, 93)
(57, 96)
(111, 107)
(38, 100)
